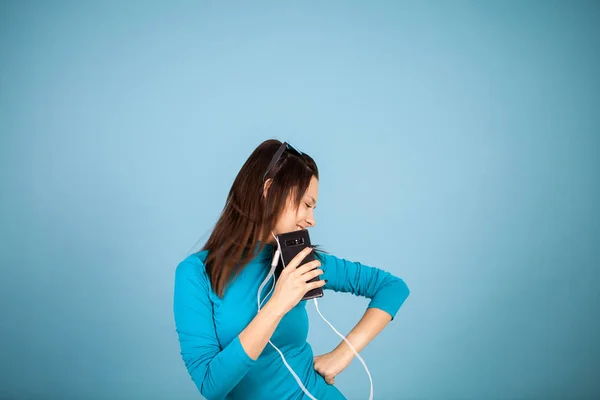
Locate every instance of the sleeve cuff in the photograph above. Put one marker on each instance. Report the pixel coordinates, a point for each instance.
(382, 307)
(235, 351)
(391, 303)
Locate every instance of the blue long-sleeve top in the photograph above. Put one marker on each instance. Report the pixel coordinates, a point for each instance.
(208, 327)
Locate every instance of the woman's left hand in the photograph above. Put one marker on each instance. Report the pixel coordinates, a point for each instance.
(329, 365)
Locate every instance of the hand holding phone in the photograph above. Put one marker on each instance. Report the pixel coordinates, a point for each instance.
(292, 244)
(296, 281)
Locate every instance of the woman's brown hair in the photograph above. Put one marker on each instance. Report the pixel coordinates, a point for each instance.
(248, 216)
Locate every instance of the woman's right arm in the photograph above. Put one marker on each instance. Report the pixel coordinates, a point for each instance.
(217, 371)
(291, 286)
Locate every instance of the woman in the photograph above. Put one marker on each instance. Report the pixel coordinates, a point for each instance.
(225, 340)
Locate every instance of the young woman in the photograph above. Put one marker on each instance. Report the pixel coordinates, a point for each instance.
(227, 344)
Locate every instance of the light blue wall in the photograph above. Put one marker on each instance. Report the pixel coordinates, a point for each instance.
(459, 148)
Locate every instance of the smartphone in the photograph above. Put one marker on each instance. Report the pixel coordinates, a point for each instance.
(293, 243)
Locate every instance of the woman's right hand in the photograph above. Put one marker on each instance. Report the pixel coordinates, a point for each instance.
(293, 283)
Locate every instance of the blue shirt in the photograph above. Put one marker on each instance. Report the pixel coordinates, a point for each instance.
(208, 327)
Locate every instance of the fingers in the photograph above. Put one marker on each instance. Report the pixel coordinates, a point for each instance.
(308, 267)
(315, 284)
(293, 265)
(311, 274)
(299, 257)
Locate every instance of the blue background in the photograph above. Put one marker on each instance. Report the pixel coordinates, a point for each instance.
(459, 148)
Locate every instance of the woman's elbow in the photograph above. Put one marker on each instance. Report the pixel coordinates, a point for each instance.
(402, 290)
(210, 391)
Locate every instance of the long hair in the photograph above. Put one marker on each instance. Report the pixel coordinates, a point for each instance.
(248, 216)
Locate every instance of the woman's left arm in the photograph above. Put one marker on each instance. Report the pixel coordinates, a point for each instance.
(369, 326)
(387, 293)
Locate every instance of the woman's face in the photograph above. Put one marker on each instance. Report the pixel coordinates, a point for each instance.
(302, 217)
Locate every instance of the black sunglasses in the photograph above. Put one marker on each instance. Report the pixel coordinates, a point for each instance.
(284, 146)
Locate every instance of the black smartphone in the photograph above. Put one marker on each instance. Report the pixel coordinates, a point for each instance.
(293, 243)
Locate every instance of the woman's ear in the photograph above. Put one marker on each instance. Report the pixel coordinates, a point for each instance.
(266, 187)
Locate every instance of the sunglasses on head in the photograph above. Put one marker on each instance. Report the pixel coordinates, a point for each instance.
(285, 146)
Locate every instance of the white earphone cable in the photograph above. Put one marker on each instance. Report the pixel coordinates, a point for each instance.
(351, 347)
(273, 265)
(260, 304)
